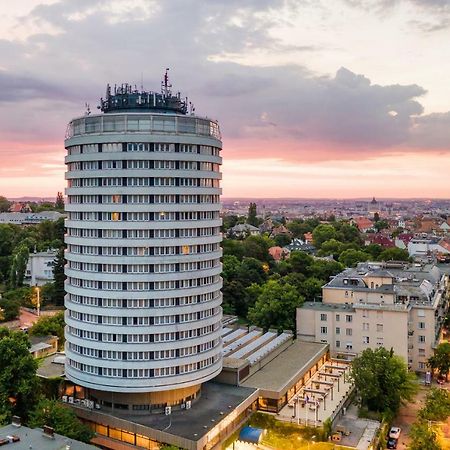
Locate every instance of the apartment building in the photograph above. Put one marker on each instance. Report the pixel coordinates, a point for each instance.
(393, 305)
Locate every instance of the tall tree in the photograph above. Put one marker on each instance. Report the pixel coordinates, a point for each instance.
(440, 361)
(251, 218)
(18, 381)
(323, 233)
(423, 437)
(59, 203)
(276, 306)
(4, 204)
(19, 265)
(437, 405)
(382, 379)
(59, 278)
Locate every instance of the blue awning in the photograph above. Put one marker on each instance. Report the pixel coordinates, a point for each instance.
(251, 435)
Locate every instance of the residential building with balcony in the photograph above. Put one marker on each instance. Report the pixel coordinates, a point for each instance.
(393, 305)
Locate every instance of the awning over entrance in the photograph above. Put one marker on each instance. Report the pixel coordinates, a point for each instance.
(251, 435)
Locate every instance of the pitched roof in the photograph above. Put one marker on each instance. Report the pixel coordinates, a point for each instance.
(363, 223)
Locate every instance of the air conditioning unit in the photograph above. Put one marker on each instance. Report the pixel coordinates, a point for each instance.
(64, 398)
(183, 405)
(70, 399)
(188, 404)
(168, 410)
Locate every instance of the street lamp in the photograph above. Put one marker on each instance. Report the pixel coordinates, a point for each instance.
(38, 300)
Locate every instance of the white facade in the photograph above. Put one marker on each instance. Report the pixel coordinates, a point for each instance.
(39, 269)
(423, 247)
(143, 252)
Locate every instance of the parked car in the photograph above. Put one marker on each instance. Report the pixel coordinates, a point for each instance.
(394, 433)
(392, 443)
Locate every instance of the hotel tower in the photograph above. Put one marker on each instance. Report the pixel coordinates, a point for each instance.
(143, 319)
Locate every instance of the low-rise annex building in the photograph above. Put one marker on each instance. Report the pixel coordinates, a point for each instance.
(392, 305)
(262, 371)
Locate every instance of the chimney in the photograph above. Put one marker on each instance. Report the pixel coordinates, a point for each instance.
(49, 432)
(16, 421)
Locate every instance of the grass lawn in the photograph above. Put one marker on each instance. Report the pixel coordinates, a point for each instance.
(287, 436)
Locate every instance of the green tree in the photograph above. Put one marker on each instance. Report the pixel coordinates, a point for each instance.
(300, 261)
(311, 289)
(323, 233)
(251, 271)
(59, 278)
(331, 247)
(251, 218)
(351, 257)
(440, 361)
(4, 204)
(50, 325)
(298, 228)
(19, 265)
(233, 247)
(229, 221)
(394, 254)
(323, 269)
(18, 381)
(258, 247)
(275, 306)
(437, 405)
(61, 418)
(9, 310)
(282, 240)
(382, 380)
(423, 437)
(348, 233)
(23, 296)
(59, 203)
(374, 250)
(380, 225)
(230, 267)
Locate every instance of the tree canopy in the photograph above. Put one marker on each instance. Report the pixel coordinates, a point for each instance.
(437, 405)
(275, 306)
(382, 380)
(61, 418)
(423, 437)
(18, 381)
(440, 361)
(50, 325)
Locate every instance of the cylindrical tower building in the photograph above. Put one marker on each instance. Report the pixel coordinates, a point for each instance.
(143, 250)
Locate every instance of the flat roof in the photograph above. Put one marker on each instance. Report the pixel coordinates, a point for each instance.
(290, 365)
(52, 366)
(216, 402)
(34, 438)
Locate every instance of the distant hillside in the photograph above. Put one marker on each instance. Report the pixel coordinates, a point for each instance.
(32, 199)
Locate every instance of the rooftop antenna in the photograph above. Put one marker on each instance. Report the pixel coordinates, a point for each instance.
(88, 109)
(142, 81)
(165, 84)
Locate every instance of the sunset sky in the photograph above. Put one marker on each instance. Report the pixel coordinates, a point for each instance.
(315, 98)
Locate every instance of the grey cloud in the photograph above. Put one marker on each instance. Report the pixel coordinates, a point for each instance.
(270, 103)
(432, 131)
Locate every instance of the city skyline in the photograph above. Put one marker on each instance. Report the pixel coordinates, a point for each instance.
(309, 106)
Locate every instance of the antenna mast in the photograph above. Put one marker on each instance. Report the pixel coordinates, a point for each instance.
(165, 88)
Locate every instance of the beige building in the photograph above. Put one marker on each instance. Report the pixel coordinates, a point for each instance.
(391, 305)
